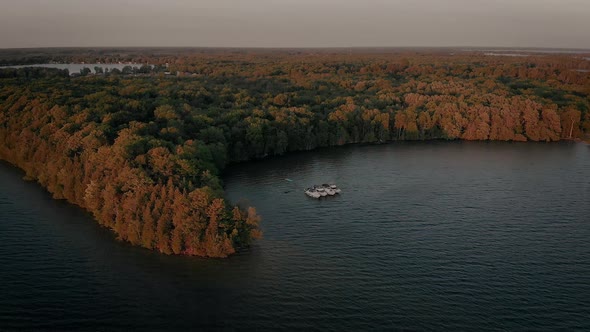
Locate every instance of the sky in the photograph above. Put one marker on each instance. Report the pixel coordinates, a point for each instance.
(295, 23)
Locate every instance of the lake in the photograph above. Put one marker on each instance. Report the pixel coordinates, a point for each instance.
(76, 67)
(425, 236)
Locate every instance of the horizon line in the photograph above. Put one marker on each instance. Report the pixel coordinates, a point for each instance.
(301, 47)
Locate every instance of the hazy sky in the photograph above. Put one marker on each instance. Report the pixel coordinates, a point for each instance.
(295, 23)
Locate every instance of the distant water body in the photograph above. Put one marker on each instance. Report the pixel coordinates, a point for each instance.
(425, 236)
(531, 50)
(76, 67)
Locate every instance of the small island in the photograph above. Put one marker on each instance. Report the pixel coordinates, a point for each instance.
(143, 150)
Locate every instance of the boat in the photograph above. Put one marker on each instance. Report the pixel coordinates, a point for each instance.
(311, 192)
(321, 191)
(335, 188)
(318, 191)
(329, 189)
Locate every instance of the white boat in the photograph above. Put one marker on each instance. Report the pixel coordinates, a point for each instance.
(322, 191)
(311, 192)
(335, 189)
(329, 189)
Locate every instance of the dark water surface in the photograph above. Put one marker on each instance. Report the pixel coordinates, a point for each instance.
(425, 236)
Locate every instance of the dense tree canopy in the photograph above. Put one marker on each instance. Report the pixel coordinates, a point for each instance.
(143, 150)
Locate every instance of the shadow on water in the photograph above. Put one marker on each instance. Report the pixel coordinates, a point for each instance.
(54, 254)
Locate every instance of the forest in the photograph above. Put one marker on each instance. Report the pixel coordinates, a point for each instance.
(144, 150)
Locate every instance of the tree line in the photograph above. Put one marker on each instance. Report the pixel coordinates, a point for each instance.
(144, 153)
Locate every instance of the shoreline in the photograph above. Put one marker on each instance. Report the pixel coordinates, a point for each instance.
(433, 140)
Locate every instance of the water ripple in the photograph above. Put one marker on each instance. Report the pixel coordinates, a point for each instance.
(428, 236)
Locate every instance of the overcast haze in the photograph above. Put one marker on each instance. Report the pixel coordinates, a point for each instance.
(295, 23)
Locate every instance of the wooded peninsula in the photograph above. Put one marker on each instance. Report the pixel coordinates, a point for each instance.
(143, 148)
